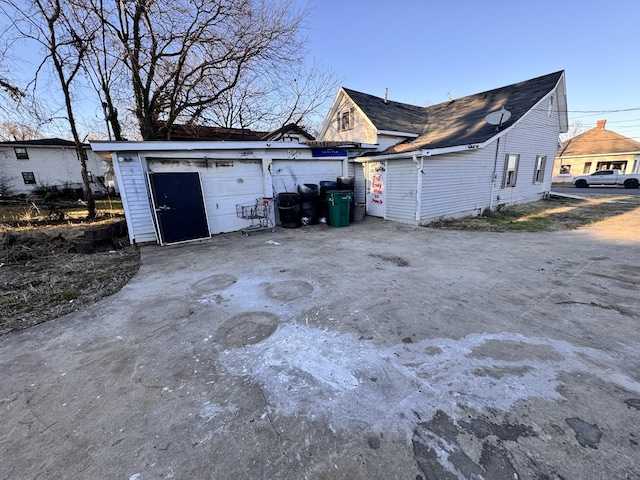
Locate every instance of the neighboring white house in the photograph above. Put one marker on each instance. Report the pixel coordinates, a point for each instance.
(28, 165)
(456, 158)
(175, 191)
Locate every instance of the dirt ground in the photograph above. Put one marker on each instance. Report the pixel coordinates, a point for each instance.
(43, 276)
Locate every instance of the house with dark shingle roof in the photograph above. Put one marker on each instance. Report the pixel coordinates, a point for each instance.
(453, 159)
(189, 132)
(596, 149)
(28, 165)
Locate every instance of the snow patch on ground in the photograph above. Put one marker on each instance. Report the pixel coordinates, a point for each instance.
(345, 380)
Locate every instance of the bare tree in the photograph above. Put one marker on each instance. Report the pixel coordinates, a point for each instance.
(11, 131)
(175, 51)
(224, 62)
(46, 22)
(575, 129)
(268, 96)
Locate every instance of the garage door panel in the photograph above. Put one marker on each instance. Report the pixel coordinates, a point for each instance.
(288, 174)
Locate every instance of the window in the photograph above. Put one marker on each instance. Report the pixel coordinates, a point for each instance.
(619, 165)
(587, 167)
(29, 178)
(90, 176)
(550, 106)
(565, 169)
(345, 120)
(538, 171)
(21, 153)
(510, 170)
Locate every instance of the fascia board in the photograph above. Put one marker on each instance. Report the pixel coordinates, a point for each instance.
(563, 109)
(594, 155)
(165, 146)
(398, 134)
(332, 112)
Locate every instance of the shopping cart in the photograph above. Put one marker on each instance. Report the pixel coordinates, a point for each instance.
(259, 213)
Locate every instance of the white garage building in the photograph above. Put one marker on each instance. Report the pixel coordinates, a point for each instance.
(179, 191)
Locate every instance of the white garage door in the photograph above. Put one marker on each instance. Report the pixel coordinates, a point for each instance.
(288, 174)
(225, 184)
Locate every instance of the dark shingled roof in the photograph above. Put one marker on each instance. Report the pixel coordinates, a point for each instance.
(598, 141)
(43, 142)
(459, 122)
(187, 132)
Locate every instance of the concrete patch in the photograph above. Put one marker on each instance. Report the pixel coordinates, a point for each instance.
(587, 435)
(246, 328)
(288, 290)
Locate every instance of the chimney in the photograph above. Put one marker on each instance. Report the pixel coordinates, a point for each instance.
(386, 94)
(601, 124)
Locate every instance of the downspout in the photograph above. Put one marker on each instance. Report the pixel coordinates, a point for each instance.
(419, 164)
(493, 178)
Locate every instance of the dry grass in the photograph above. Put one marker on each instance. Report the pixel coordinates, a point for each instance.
(42, 276)
(549, 215)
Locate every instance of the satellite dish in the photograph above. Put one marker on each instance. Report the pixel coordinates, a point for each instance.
(498, 117)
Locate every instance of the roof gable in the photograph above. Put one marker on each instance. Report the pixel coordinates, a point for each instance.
(457, 122)
(598, 141)
(389, 115)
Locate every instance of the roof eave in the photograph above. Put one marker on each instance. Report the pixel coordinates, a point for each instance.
(398, 134)
(607, 154)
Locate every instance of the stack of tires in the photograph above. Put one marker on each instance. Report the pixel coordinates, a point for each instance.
(323, 205)
(289, 210)
(308, 203)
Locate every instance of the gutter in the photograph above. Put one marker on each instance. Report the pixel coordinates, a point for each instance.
(397, 134)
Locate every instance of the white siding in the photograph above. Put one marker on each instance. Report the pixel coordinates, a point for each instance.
(50, 165)
(135, 199)
(401, 191)
(536, 134)
(456, 184)
(459, 184)
(357, 170)
(288, 174)
(362, 131)
(386, 141)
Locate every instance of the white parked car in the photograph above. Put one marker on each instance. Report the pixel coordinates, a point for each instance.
(607, 177)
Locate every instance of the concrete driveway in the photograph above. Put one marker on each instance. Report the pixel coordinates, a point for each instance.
(376, 351)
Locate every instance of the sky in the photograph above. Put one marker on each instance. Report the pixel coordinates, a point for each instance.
(420, 50)
(423, 49)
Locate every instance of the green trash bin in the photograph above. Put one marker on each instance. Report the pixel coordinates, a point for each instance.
(339, 202)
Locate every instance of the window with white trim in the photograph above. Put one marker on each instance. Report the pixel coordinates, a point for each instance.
(552, 100)
(345, 120)
(538, 169)
(510, 170)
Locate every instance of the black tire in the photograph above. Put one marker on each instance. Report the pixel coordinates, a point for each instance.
(288, 199)
(582, 184)
(289, 214)
(631, 183)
